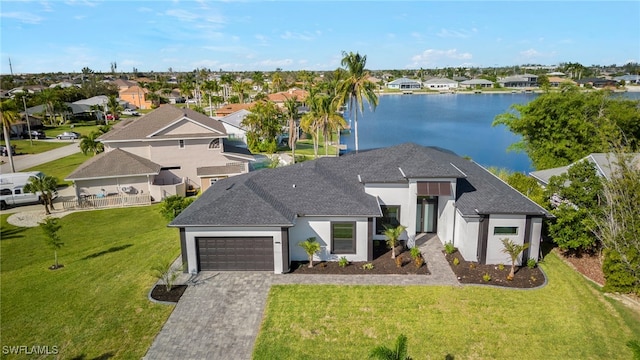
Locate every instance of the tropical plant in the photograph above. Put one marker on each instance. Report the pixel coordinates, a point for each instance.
(415, 252)
(356, 88)
(173, 205)
(291, 106)
(393, 235)
(399, 351)
(264, 124)
(449, 248)
(330, 121)
(367, 266)
(48, 98)
(8, 116)
(486, 277)
(113, 107)
(166, 273)
(343, 262)
(513, 250)
(50, 227)
(211, 87)
(90, 144)
(45, 186)
(531, 263)
(311, 247)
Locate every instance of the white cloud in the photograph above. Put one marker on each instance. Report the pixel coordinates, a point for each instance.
(432, 57)
(457, 33)
(182, 15)
(306, 36)
(270, 63)
(82, 3)
(24, 17)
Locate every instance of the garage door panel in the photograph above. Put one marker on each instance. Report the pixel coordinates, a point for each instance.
(235, 253)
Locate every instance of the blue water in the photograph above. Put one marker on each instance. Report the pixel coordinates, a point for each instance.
(457, 122)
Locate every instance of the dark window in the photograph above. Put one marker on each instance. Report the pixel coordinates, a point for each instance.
(390, 218)
(17, 191)
(343, 238)
(505, 230)
(181, 144)
(214, 144)
(170, 168)
(5, 192)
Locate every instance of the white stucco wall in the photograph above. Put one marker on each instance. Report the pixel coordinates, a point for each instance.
(113, 185)
(446, 215)
(466, 237)
(494, 242)
(536, 237)
(320, 228)
(191, 233)
(396, 195)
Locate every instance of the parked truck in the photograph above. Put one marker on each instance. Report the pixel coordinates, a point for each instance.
(12, 189)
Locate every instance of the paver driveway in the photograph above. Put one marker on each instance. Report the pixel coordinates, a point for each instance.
(218, 317)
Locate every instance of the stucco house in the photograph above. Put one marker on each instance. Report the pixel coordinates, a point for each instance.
(404, 84)
(233, 126)
(476, 83)
(136, 96)
(604, 163)
(518, 81)
(165, 152)
(440, 84)
(255, 221)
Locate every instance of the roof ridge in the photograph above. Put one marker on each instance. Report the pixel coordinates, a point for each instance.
(276, 204)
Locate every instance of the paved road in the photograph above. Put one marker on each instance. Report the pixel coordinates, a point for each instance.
(22, 162)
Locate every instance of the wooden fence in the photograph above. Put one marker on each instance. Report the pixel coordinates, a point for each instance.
(94, 202)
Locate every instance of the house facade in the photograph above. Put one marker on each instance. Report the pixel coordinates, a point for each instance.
(255, 221)
(441, 84)
(404, 84)
(136, 96)
(165, 152)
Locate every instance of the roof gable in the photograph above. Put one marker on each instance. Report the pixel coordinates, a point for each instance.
(185, 126)
(115, 163)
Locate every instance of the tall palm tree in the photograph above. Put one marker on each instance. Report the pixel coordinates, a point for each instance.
(114, 106)
(276, 80)
(291, 105)
(45, 185)
(310, 122)
(8, 115)
(89, 143)
(356, 88)
(330, 121)
(48, 98)
(241, 88)
(211, 86)
(186, 90)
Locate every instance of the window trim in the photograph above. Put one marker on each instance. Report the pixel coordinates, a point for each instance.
(353, 239)
(505, 230)
(379, 220)
(214, 147)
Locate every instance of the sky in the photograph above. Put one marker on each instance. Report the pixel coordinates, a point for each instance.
(66, 36)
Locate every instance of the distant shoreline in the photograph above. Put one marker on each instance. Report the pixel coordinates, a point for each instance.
(491, 92)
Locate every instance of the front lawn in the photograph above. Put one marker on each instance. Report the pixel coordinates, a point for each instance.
(567, 319)
(36, 147)
(61, 168)
(96, 306)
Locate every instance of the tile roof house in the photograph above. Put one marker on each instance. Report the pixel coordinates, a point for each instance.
(280, 97)
(136, 96)
(162, 153)
(255, 221)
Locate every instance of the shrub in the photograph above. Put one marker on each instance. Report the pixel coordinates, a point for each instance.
(166, 273)
(419, 261)
(449, 248)
(367, 266)
(617, 278)
(500, 267)
(415, 252)
(531, 263)
(456, 262)
(173, 205)
(399, 261)
(343, 262)
(486, 277)
(311, 247)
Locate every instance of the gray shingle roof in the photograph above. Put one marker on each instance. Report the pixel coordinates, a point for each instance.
(115, 163)
(336, 187)
(160, 118)
(220, 170)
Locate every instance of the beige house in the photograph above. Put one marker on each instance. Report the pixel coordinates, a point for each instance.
(169, 151)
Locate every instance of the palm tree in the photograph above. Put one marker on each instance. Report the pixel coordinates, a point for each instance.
(311, 247)
(186, 90)
(513, 250)
(89, 143)
(45, 186)
(398, 353)
(8, 115)
(211, 86)
(330, 121)
(48, 98)
(291, 105)
(114, 106)
(241, 88)
(276, 80)
(356, 88)
(50, 227)
(393, 234)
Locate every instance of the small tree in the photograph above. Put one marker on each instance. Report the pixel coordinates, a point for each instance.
(50, 227)
(399, 351)
(311, 247)
(166, 273)
(45, 186)
(393, 234)
(513, 250)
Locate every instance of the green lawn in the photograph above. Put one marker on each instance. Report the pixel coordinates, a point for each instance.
(96, 306)
(567, 319)
(61, 168)
(37, 146)
(81, 128)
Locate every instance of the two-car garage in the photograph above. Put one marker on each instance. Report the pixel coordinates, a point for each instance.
(235, 253)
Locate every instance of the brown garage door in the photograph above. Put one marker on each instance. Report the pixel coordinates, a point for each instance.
(235, 253)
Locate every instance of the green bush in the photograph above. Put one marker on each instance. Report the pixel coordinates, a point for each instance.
(531, 263)
(617, 277)
(415, 252)
(367, 266)
(456, 262)
(486, 277)
(343, 262)
(173, 205)
(449, 248)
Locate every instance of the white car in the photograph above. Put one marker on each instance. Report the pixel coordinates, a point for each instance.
(130, 112)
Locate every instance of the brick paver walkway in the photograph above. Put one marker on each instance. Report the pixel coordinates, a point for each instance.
(219, 315)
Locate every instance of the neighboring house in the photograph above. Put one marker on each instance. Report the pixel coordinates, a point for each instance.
(598, 82)
(474, 83)
(404, 84)
(628, 79)
(228, 109)
(441, 84)
(136, 96)
(233, 126)
(280, 97)
(555, 81)
(255, 221)
(604, 163)
(162, 153)
(123, 84)
(518, 81)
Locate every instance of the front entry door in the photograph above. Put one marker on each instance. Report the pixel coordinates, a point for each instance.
(427, 214)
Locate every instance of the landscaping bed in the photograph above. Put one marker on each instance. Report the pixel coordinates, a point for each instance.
(383, 264)
(473, 273)
(160, 293)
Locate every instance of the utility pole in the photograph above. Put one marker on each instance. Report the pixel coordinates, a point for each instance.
(24, 101)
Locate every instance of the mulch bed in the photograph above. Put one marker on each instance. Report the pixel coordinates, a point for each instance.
(160, 293)
(472, 273)
(383, 264)
(588, 265)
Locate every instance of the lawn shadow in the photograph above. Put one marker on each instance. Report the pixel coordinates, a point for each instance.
(104, 356)
(109, 250)
(12, 234)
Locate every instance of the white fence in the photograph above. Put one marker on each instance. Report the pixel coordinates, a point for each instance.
(94, 202)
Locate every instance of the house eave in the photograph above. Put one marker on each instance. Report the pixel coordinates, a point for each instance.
(110, 177)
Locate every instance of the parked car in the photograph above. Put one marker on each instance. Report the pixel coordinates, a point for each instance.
(70, 135)
(130, 112)
(35, 134)
(4, 152)
(111, 117)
